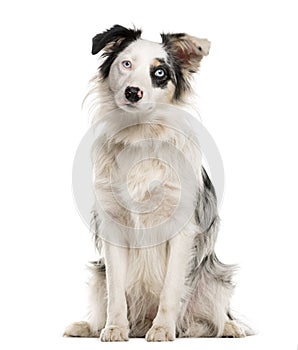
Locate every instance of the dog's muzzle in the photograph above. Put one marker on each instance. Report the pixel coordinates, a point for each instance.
(133, 94)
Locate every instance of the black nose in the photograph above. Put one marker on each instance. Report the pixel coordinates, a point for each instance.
(133, 94)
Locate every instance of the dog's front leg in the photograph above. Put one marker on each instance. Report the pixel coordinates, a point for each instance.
(116, 328)
(164, 324)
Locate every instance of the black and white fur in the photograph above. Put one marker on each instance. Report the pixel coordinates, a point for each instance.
(177, 288)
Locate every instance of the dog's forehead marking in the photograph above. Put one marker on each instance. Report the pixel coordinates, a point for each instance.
(145, 50)
(157, 61)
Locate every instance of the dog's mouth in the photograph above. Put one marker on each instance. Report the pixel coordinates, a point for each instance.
(137, 107)
(131, 106)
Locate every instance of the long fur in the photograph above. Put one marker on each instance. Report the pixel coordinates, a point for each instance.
(177, 288)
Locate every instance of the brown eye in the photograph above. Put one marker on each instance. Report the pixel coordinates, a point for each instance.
(126, 64)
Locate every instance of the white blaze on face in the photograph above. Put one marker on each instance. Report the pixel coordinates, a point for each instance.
(133, 68)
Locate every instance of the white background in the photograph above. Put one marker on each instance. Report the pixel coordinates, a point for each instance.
(248, 101)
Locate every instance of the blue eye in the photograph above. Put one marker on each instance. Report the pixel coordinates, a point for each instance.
(126, 64)
(160, 73)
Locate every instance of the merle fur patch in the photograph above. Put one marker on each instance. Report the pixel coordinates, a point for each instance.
(181, 83)
(160, 82)
(113, 41)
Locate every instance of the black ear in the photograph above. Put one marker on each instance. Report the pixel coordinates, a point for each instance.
(113, 38)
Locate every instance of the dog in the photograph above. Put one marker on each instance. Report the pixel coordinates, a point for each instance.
(155, 222)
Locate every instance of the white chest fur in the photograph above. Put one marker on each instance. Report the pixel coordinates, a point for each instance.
(146, 179)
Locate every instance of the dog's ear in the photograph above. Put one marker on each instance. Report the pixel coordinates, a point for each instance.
(187, 50)
(114, 38)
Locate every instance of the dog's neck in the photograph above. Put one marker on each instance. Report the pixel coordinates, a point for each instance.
(162, 122)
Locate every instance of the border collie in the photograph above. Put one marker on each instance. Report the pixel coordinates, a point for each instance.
(155, 221)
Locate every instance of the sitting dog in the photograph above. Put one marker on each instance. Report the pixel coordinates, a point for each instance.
(155, 222)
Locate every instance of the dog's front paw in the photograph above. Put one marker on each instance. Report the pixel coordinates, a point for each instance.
(233, 330)
(159, 333)
(114, 333)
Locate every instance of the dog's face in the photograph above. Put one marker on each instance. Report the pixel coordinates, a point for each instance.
(141, 73)
(141, 77)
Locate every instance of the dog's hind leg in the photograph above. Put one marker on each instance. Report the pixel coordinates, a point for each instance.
(233, 329)
(97, 306)
(215, 288)
(207, 311)
(79, 329)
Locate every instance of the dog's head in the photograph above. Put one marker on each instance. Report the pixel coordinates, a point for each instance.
(141, 73)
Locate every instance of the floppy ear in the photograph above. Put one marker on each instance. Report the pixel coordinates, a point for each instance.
(187, 50)
(114, 38)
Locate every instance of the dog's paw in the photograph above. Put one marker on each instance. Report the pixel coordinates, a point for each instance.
(233, 330)
(114, 333)
(159, 333)
(78, 329)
